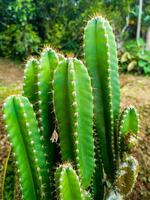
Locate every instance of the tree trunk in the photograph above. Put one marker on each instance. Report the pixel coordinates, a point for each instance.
(139, 20)
(148, 39)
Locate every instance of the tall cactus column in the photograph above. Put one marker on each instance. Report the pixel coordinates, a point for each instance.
(74, 111)
(47, 64)
(37, 87)
(101, 61)
(23, 133)
(30, 87)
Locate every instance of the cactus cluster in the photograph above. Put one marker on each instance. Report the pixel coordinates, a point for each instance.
(67, 135)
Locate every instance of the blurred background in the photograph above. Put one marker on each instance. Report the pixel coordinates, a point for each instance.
(26, 26)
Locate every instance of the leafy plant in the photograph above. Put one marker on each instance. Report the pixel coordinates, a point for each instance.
(7, 91)
(135, 57)
(18, 38)
(26, 24)
(75, 110)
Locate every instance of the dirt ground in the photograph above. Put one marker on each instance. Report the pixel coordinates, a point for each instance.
(135, 90)
(10, 72)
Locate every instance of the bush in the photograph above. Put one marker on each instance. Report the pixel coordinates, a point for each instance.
(135, 58)
(18, 42)
(25, 24)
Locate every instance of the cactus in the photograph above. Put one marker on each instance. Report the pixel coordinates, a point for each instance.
(126, 175)
(47, 64)
(74, 108)
(75, 122)
(101, 61)
(128, 129)
(68, 183)
(22, 128)
(30, 79)
(38, 76)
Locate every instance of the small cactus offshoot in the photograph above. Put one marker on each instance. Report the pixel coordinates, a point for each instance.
(68, 139)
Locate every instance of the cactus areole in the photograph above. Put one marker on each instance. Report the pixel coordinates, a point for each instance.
(68, 139)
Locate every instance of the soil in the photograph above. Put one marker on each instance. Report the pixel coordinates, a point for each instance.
(135, 90)
(10, 72)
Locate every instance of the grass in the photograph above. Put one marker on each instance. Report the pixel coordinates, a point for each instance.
(6, 91)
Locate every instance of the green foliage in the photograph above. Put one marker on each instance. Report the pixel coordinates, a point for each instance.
(135, 57)
(117, 11)
(26, 25)
(6, 91)
(75, 109)
(21, 43)
(17, 35)
(132, 14)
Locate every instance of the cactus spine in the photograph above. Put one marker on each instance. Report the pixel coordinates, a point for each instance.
(80, 106)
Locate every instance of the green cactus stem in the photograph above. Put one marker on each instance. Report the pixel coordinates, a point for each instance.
(98, 177)
(97, 183)
(73, 103)
(23, 133)
(67, 183)
(37, 87)
(30, 87)
(61, 57)
(9, 178)
(47, 64)
(126, 175)
(128, 129)
(86, 195)
(101, 61)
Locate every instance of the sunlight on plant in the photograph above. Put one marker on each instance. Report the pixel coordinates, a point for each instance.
(135, 57)
(6, 91)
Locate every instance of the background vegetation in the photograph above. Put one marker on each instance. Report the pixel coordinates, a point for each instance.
(27, 25)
